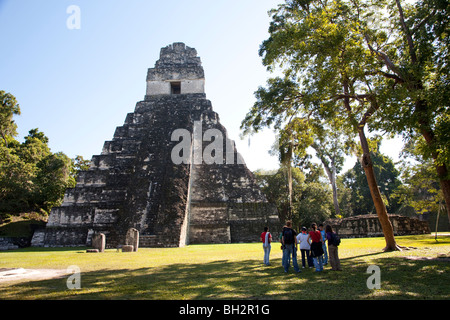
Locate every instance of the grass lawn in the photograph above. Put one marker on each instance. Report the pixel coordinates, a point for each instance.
(235, 271)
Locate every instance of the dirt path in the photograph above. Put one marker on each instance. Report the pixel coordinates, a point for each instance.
(30, 274)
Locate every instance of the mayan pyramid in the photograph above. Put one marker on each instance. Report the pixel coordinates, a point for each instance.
(170, 172)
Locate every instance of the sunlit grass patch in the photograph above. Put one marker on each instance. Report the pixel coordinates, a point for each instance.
(234, 271)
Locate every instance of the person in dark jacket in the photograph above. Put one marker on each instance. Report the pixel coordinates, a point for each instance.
(289, 241)
(332, 249)
(316, 242)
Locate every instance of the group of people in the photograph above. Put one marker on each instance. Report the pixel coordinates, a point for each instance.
(317, 247)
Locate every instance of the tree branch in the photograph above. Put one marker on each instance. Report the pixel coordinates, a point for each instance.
(374, 106)
(384, 58)
(412, 50)
(351, 96)
(392, 76)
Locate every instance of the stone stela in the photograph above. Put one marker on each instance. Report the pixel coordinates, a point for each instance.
(134, 184)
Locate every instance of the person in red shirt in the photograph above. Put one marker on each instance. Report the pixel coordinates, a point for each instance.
(315, 240)
(266, 239)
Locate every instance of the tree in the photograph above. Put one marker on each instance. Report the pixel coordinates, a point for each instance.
(420, 189)
(316, 200)
(32, 178)
(52, 179)
(324, 63)
(331, 145)
(79, 164)
(292, 143)
(385, 171)
(275, 186)
(311, 199)
(411, 45)
(35, 147)
(16, 184)
(8, 108)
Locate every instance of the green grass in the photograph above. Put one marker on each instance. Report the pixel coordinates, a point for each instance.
(234, 271)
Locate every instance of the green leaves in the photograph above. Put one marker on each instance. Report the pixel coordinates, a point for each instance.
(8, 108)
(31, 176)
(354, 180)
(382, 65)
(274, 105)
(311, 198)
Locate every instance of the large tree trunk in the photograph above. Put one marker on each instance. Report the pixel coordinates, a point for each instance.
(386, 225)
(415, 85)
(331, 172)
(290, 190)
(335, 196)
(429, 136)
(444, 181)
(367, 165)
(289, 169)
(445, 186)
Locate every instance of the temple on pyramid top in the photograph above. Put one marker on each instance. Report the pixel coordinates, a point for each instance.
(178, 71)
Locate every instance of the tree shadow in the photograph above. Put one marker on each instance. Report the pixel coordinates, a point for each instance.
(400, 279)
(406, 278)
(363, 255)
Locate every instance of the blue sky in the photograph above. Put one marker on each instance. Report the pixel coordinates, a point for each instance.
(78, 85)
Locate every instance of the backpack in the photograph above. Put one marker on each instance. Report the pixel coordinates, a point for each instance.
(335, 239)
(288, 234)
(266, 240)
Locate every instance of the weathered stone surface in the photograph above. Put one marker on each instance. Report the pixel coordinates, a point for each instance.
(134, 182)
(132, 238)
(7, 244)
(38, 238)
(99, 242)
(369, 226)
(179, 65)
(127, 248)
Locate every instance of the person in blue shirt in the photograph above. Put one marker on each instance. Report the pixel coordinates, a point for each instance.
(324, 244)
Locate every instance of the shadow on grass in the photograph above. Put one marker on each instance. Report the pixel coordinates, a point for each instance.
(362, 256)
(400, 279)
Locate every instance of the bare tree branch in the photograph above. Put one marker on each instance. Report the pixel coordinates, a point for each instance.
(412, 50)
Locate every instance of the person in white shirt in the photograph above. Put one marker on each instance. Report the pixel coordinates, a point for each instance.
(302, 239)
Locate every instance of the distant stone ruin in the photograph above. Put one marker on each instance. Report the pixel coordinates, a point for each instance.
(170, 172)
(132, 239)
(99, 242)
(369, 226)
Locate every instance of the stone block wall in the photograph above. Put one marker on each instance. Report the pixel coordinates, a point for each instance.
(369, 226)
(7, 244)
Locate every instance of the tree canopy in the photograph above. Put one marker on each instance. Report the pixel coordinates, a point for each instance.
(357, 62)
(32, 178)
(311, 199)
(355, 181)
